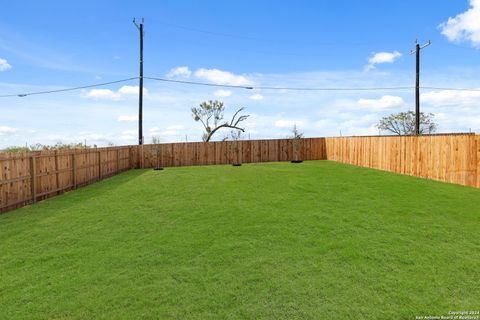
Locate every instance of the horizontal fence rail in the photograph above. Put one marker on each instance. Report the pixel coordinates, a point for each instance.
(32, 176)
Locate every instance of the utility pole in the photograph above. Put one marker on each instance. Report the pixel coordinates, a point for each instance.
(417, 84)
(140, 89)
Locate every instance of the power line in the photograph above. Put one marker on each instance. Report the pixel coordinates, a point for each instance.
(241, 87)
(451, 89)
(214, 33)
(334, 89)
(306, 88)
(200, 83)
(278, 88)
(67, 89)
(247, 37)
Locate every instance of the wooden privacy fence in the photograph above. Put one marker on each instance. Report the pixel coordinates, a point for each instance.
(453, 158)
(28, 177)
(227, 152)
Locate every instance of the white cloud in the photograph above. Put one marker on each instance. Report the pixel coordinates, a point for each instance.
(127, 118)
(179, 72)
(223, 93)
(131, 90)
(287, 123)
(450, 121)
(4, 130)
(256, 97)
(464, 26)
(103, 94)
(382, 57)
(450, 97)
(384, 103)
(107, 94)
(223, 77)
(4, 66)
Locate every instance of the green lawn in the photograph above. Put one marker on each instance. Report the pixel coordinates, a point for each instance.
(317, 240)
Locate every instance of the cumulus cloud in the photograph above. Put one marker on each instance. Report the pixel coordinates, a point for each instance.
(127, 118)
(384, 103)
(450, 97)
(450, 122)
(256, 97)
(107, 94)
(223, 93)
(223, 77)
(464, 26)
(382, 57)
(183, 71)
(131, 90)
(103, 94)
(4, 130)
(4, 66)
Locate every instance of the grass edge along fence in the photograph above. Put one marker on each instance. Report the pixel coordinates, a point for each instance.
(29, 177)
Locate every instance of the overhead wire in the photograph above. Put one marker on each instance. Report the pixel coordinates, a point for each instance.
(279, 88)
(451, 89)
(67, 89)
(248, 87)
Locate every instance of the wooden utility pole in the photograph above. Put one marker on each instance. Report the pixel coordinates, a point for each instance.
(140, 89)
(417, 84)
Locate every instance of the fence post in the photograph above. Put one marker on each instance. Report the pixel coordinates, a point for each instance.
(99, 165)
(138, 157)
(33, 179)
(57, 181)
(74, 171)
(477, 149)
(118, 161)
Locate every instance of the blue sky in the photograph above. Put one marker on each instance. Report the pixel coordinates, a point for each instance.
(57, 44)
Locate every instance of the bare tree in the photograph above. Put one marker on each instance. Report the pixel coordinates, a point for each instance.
(296, 143)
(236, 136)
(156, 150)
(403, 123)
(210, 114)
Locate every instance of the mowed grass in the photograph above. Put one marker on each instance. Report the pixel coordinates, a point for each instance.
(317, 240)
